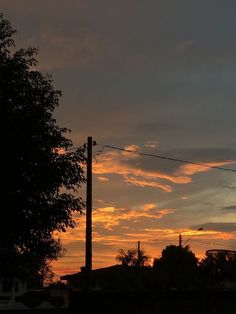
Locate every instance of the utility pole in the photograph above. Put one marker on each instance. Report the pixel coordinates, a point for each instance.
(139, 251)
(88, 258)
(180, 240)
(139, 247)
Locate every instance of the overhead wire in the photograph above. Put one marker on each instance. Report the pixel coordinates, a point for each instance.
(166, 158)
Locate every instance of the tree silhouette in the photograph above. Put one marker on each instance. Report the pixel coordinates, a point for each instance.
(39, 173)
(177, 267)
(218, 266)
(133, 257)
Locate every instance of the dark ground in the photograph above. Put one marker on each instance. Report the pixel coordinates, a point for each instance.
(175, 302)
(160, 303)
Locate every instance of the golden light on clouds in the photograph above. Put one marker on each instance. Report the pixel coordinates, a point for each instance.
(108, 217)
(112, 163)
(107, 209)
(104, 179)
(111, 166)
(132, 148)
(144, 183)
(190, 169)
(149, 206)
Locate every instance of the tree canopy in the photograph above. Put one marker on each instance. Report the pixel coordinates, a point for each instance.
(177, 266)
(133, 257)
(219, 266)
(39, 173)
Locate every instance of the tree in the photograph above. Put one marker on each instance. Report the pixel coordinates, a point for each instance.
(133, 257)
(40, 174)
(177, 267)
(217, 266)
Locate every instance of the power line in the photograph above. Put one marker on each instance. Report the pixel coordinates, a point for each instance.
(166, 158)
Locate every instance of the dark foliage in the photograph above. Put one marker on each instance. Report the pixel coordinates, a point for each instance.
(39, 174)
(177, 267)
(218, 268)
(133, 257)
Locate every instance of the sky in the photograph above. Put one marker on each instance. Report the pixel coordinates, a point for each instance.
(155, 76)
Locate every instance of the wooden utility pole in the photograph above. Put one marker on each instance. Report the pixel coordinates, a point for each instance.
(139, 247)
(180, 240)
(139, 253)
(88, 258)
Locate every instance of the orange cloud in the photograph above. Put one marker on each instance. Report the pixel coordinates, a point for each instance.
(111, 166)
(133, 148)
(111, 163)
(104, 179)
(109, 217)
(190, 169)
(145, 183)
(166, 211)
(149, 206)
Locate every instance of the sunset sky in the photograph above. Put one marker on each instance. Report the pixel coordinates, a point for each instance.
(155, 76)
